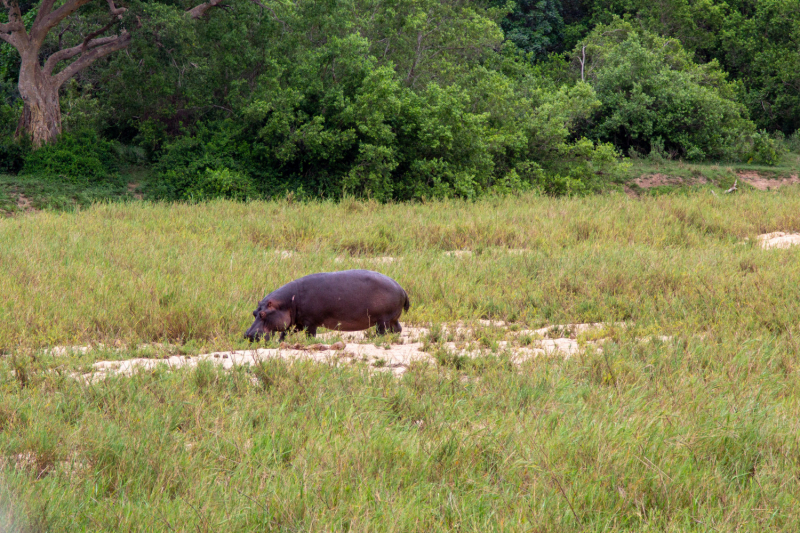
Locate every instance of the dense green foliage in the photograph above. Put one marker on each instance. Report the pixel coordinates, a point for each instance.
(83, 157)
(654, 97)
(431, 99)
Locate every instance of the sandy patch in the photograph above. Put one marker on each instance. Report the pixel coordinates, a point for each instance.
(757, 181)
(389, 357)
(60, 351)
(392, 353)
(458, 253)
(778, 239)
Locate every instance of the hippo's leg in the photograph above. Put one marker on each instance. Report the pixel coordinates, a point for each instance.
(282, 337)
(311, 331)
(392, 326)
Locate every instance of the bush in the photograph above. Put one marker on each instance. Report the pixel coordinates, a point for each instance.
(12, 154)
(209, 164)
(222, 183)
(78, 158)
(759, 148)
(656, 99)
(367, 134)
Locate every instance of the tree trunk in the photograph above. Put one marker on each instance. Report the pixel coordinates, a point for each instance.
(41, 114)
(38, 86)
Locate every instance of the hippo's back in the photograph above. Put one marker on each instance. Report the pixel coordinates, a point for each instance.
(349, 299)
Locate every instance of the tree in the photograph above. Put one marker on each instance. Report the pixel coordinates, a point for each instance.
(39, 83)
(655, 97)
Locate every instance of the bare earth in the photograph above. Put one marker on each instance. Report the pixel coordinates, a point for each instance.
(393, 354)
(133, 189)
(761, 183)
(752, 178)
(657, 180)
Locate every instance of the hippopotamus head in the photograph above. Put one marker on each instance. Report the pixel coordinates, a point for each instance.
(272, 314)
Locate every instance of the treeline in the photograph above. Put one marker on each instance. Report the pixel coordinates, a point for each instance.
(415, 99)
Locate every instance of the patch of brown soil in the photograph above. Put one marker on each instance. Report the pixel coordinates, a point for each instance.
(658, 180)
(133, 188)
(24, 204)
(762, 183)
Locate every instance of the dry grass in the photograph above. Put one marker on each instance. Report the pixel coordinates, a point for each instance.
(694, 433)
(148, 272)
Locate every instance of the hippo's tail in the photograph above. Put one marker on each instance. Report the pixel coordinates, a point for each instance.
(407, 304)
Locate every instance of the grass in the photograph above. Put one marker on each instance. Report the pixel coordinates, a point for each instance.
(18, 193)
(697, 176)
(158, 272)
(698, 433)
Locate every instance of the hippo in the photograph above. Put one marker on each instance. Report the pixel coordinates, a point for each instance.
(350, 300)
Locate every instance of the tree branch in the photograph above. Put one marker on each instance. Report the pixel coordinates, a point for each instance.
(68, 53)
(44, 9)
(97, 32)
(199, 11)
(13, 31)
(108, 46)
(116, 11)
(10, 27)
(49, 21)
(274, 15)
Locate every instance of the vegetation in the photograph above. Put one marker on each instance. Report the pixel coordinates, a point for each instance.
(694, 432)
(276, 139)
(408, 101)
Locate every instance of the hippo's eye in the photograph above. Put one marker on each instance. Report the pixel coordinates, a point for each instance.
(263, 315)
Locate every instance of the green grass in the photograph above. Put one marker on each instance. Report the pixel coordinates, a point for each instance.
(51, 195)
(713, 175)
(150, 272)
(699, 433)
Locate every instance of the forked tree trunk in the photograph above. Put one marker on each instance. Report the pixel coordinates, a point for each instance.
(38, 86)
(41, 113)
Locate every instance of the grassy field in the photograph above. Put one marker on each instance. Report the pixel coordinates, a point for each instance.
(696, 433)
(689, 177)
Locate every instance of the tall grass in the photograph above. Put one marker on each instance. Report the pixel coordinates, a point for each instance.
(689, 436)
(697, 433)
(143, 272)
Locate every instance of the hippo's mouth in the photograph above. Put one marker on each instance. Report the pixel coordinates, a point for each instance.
(257, 334)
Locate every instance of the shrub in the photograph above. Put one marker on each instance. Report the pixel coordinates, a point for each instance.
(77, 158)
(655, 98)
(759, 148)
(222, 183)
(12, 154)
(209, 164)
